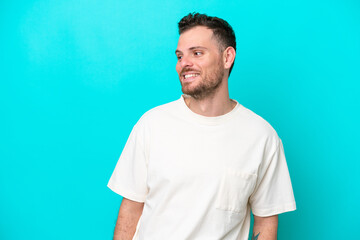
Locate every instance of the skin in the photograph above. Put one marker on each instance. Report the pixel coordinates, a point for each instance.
(199, 53)
(129, 214)
(265, 228)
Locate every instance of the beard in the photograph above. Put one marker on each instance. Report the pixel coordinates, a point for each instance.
(208, 84)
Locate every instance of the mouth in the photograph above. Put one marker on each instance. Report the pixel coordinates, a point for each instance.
(189, 77)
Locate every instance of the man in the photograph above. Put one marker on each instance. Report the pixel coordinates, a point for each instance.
(195, 168)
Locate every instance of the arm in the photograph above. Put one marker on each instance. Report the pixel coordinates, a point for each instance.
(129, 214)
(265, 228)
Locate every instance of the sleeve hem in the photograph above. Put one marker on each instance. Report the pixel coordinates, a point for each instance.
(266, 212)
(126, 193)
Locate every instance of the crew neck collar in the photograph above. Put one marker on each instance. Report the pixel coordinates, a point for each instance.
(208, 120)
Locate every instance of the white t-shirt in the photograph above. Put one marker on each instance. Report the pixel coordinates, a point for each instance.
(200, 176)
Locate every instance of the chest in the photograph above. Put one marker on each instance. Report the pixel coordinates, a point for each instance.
(194, 153)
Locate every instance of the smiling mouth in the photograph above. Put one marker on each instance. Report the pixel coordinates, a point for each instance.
(190, 76)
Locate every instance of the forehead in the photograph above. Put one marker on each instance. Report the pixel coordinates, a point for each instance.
(197, 36)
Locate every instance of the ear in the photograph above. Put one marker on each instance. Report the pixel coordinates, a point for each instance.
(229, 57)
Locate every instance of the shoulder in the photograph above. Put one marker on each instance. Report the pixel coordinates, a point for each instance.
(257, 121)
(153, 117)
(257, 127)
(158, 113)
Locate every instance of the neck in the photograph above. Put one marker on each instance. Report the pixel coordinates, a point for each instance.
(216, 104)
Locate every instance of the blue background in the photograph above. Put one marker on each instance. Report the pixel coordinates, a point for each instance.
(76, 76)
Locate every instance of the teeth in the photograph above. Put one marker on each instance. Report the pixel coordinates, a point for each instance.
(190, 75)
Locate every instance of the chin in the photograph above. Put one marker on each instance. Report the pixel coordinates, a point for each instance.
(188, 89)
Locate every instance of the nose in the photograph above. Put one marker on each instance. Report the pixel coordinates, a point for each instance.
(185, 61)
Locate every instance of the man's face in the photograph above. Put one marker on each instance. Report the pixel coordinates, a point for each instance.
(200, 66)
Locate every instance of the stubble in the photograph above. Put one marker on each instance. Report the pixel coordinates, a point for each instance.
(208, 85)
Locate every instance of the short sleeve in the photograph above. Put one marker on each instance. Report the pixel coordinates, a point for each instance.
(130, 174)
(273, 193)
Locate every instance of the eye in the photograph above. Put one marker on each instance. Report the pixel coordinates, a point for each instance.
(179, 57)
(198, 53)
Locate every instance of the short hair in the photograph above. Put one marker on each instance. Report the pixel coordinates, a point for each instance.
(222, 30)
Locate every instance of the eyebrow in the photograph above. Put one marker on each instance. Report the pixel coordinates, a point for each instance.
(192, 48)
